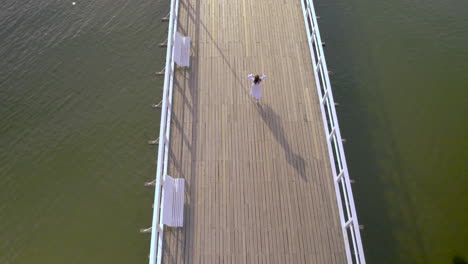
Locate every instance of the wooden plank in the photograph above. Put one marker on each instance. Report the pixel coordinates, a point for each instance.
(259, 184)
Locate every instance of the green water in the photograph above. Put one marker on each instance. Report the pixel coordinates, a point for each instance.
(400, 76)
(76, 85)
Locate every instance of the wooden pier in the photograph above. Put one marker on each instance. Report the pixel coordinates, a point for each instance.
(259, 184)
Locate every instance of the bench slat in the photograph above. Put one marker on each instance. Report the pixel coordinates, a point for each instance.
(182, 50)
(173, 202)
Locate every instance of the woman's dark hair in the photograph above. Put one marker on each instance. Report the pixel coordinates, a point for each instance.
(257, 79)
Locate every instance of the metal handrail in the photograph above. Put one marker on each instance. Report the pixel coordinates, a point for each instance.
(157, 230)
(348, 217)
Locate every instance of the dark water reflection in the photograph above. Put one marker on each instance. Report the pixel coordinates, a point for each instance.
(400, 78)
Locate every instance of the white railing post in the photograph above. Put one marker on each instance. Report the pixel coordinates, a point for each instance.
(337, 178)
(332, 133)
(156, 246)
(334, 140)
(324, 97)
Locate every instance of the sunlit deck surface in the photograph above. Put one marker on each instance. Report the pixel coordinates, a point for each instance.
(259, 185)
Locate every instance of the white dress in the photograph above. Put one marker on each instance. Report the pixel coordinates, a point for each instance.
(256, 90)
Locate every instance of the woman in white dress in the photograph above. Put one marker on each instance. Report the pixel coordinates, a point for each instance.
(256, 90)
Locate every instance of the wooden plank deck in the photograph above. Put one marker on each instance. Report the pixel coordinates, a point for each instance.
(259, 184)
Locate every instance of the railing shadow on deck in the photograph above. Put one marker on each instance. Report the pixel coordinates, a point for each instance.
(242, 85)
(190, 77)
(273, 122)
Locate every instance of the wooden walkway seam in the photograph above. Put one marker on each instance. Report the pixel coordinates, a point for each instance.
(259, 185)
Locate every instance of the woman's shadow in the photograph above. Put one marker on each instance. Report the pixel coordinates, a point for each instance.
(272, 120)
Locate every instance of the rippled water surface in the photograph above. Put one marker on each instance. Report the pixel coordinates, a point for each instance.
(76, 88)
(76, 85)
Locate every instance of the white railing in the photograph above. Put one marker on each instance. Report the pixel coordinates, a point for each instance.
(157, 228)
(344, 194)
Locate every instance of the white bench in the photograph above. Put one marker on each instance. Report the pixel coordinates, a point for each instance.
(182, 50)
(173, 203)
